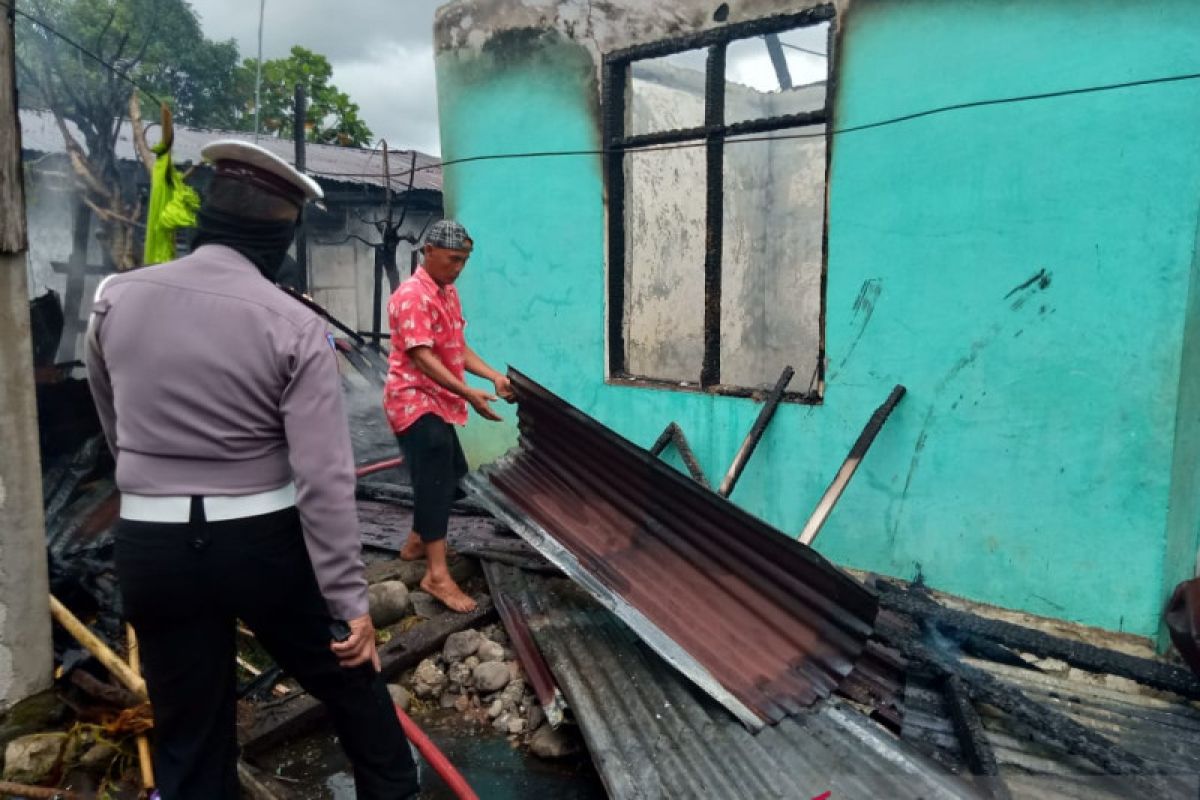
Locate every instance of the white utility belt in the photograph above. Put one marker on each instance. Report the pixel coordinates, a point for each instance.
(177, 508)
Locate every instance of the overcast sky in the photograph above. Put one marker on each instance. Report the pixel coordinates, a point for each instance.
(382, 55)
(381, 51)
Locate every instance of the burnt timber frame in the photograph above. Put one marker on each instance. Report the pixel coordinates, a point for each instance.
(714, 133)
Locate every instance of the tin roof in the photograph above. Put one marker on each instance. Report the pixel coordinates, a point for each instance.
(762, 623)
(40, 134)
(653, 735)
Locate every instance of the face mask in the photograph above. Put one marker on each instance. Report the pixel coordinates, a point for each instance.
(263, 242)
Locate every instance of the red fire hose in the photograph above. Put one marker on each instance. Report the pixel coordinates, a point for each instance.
(425, 746)
(436, 759)
(378, 466)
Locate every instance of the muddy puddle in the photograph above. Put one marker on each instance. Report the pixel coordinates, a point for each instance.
(315, 769)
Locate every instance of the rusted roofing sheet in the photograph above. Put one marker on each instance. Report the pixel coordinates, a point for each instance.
(653, 735)
(762, 623)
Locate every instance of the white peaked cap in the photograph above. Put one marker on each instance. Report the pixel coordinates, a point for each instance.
(272, 172)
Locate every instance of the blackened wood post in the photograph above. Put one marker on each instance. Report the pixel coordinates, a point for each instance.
(861, 445)
(673, 434)
(616, 79)
(299, 129)
(714, 120)
(756, 433)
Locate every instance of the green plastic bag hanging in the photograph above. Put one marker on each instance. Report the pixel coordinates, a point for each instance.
(173, 204)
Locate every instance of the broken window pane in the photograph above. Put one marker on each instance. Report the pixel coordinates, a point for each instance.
(667, 94)
(664, 264)
(758, 86)
(774, 212)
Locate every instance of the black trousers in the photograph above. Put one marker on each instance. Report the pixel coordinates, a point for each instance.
(437, 465)
(183, 586)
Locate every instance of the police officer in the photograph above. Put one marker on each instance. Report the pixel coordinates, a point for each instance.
(220, 397)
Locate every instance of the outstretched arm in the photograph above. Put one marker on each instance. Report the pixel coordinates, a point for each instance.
(477, 366)
(439, 373)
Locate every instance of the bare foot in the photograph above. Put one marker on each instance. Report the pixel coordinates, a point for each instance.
(414, 548)
(448, 592)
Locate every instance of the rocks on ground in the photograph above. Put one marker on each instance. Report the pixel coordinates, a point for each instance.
(428, 680)
(389, 603)
(34, 758)
(400, 696)
(547, 742)
(460, 645)
(477, 675)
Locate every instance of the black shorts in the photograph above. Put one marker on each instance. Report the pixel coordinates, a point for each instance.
(437, 464)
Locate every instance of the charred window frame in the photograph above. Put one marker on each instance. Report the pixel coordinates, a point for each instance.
(714, 134)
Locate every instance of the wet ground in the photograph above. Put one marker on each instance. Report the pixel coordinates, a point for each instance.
(316, 769)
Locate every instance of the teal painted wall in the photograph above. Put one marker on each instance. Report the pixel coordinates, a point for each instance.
(1045, 457)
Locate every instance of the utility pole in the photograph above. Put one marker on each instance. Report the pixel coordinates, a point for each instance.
(262, 6)
(299, 126)
(25, 654)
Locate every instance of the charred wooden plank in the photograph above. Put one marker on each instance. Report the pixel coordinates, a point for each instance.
(1155, 674)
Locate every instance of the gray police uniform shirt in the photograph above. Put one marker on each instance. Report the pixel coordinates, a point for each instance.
(209, 380)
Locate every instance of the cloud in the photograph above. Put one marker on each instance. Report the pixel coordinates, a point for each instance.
(397, 96)
(381, 52)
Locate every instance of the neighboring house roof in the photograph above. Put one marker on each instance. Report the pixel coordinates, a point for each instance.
(40, 134)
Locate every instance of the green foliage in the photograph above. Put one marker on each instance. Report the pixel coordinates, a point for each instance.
(159, 44)
(332, 117)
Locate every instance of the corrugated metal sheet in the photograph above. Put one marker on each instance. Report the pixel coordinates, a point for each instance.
(1163, 731)
(762, 623)
(653, 735)
(40, 134)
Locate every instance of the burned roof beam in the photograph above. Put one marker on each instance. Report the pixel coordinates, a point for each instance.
(640, 141)
(740, 30)
(1154, 674)
(858, 451)
(673, 434)
(778, 60)
(972, 738)
(750, 443)
(1044, 724)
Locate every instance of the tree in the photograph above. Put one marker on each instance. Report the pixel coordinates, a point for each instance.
(332, 117)
(154, 43)
(158, 45)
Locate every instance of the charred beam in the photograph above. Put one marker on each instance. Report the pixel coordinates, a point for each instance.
(759, 27)
(1046, 725)
(849, 466)
(778, 60)
(756, 433)
(1154, 674)
(972, 739)
(673, 434)
(714, 225)
(616, 76)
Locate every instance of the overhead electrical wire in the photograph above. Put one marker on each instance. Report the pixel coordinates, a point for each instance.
(1107, 87)
(804, 50)
(896, 120)
(125, 76)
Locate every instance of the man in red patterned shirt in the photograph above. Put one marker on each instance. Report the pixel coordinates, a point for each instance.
(426, 396)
